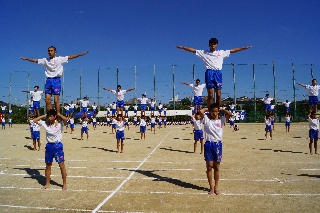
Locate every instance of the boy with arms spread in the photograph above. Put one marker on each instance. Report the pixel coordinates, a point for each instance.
(54, 146)
(197, 91)
(313, 95)
(213, 60)
(54, 71)
(213, 144)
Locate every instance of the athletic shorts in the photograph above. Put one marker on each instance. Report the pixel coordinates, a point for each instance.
(67, 112)
(94, 111)
(192, 111)
(152, 109)
(213, 151)
(126, 124)
(287, 123)
(135, 122)
(153, 124)
(142, 128)
(84, 109)
(72, 126)
(84, 129)
(126, 111)
(94, 123)
(197, 100)
(3, 111)
(108, 112)
(213, 79)
(3, 123)
(31, 110)
(159, 123)
(143, 106)
(313, 100)
(120, 104)
(114, 126)
(113, 111)
(313, 134)
(36, 105)
(287, 109)
(120, 135)
(36, 135)
(108, 122)
(159, 110)
(198, 135)
(10, 123)
(54, 150)
(268, 128)
(71, 110)
(165, 122)
(267, 107)
(53, 86)
(135, 111)
(272, 122)
(231, 123)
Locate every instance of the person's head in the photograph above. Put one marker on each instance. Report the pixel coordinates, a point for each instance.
(94, 103)
(197, 116)
(119, 117)
(143, 95)
(118, 87)
(214, 110)
(286, 101)
(213, 43)
(287, 114)
(52, 115)
(151, 99)
(267, 95)
(314, 82)
(85, 98)
(197, 81)
(31, 98)
(313, 114)
(52, 51)
(143, 117)
(36, 88)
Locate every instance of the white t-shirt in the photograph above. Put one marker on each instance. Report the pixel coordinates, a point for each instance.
(94, 107)
(119, 125)
(84, 123)
(213, 60)
(94, 120)
(160, 106)
(197, 124)
(108, 109)
(267, 100)
(143, 122)
(143, 100)
(35, 126)
(72, 106)
(119, 95)
(313, 123)
(213, 129)
(54, 67)
(313, 90)
(3, 107)
(114, 106)
(288, 118)
(287, 104)
(153, 120)
(84, 103)
(53, 132)
(135, 107)
(71, 120)
(36, 95)
(126, 107)
(197, 89)
(152, 103)
(30, 103)
(67, 107)
(267, 122)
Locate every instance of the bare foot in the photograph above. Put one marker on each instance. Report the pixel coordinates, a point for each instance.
(211, 192)
(46, 187)
(118, 151)
(311, 153)
(34, 149)
(64, 187)
(200, 153)
(216, 191)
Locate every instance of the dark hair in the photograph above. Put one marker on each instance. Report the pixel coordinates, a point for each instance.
(119, 86)
(314, 79)
(143, 95)
(55, 49)
(198, 80)
(52, 112)
(36, 86)
(213, 41)
(313, 112)
(267, 94)
(214, 105)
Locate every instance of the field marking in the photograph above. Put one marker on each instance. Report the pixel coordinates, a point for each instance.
(129, 177)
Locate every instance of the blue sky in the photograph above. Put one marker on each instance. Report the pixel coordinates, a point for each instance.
(144, 33)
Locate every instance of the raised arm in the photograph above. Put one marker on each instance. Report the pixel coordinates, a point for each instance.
(77, 55)
(65, 119)
(192, 50)
(202, 112)
(35, 120)
(303, 85)
(227, 113)
(128, 90)
(29, 59)
(185, 83)
(234, 50)
(107, 89)
(26, 91)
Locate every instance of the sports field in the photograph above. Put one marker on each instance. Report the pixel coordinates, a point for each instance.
(162, 174)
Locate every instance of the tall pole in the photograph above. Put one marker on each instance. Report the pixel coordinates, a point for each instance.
(254, 93)
(117, 74)
(10, 90)
(80, 83)
(311, 71)
(173, 89)
(99, 89)
(234, 84)
(193, 75)
(294, 91)
(154, 82)
(28, 92)
(135, 85)
(274, 84)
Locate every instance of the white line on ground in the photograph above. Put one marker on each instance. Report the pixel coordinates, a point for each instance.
(129, 177)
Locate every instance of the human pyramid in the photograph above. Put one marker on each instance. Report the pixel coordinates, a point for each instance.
(212, 118)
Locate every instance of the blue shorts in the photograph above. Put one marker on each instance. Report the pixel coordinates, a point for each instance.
(120, 135)
(120, 104)
(31, 129)
(54, 150)
(313, 134)
(152, 109)
(192, 111)
(36, 105)
(108, 112)
(3, 123)
(36, 135)
(126, 111)
(272, 122)
(94, 123)
(198, 135)
(153, 124)
(287, 109)
(197, 100)
(134, 122)
(213, 151)
(142, 128)
(113, 111)
(165, 122)
(31, 110)
(53, 86)
(213, 79)
(231, 110)
(108, 122)
(287, 123)
(3, 111)
(126, 124)
(84, 109)
(231, 123)
(159, 110)
(71, 110)
(84, 129)
(143, 106)
(67, 112)
(114, 126)
(313, 100)
(72, 126)
(268, 128)
(267, 107)
(94, 111)
(10, 123)
(135, 111)
(159, 123)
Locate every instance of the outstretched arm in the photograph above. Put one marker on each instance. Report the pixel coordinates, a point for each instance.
(29, 59)
(234, 50)
(26, 91)
(303, 85)
(185, 83)
(107, 89)
(77, 55)
(128, 90)
(192, 50)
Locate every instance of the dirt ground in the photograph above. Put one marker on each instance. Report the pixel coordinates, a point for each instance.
(162, 174)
